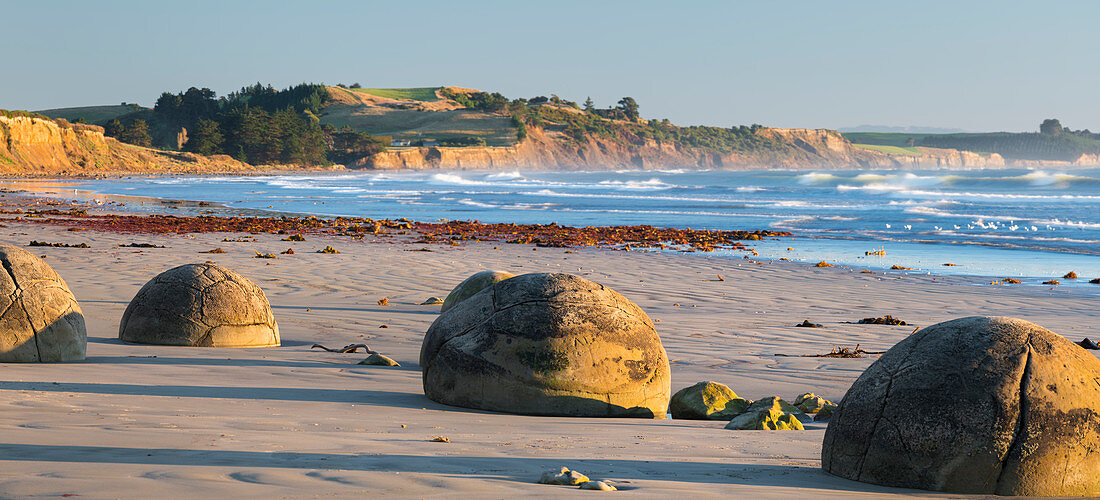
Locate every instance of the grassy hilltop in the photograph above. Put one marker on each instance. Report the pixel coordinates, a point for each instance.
(312, 124)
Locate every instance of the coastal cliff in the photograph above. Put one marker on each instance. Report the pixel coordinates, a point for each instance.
(795, 148)
(37, 146)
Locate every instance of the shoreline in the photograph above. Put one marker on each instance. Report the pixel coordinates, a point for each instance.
(978, 264)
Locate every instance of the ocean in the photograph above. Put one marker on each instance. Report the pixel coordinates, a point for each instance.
(1000, 223)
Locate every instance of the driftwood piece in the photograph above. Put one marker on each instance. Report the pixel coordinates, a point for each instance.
(346, 349)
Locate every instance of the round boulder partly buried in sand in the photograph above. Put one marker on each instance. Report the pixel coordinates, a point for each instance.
(469, 286)
(41, 321)
(200, 305)
(989, 405)
(547, 344)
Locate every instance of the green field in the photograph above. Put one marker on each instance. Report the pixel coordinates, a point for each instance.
(894, 150)
(91, 114)
(883, 138)
(426, 94)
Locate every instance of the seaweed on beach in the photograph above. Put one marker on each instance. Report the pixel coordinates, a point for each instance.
(838, 352)
(141, 245)
(448, 233)
(34, 243)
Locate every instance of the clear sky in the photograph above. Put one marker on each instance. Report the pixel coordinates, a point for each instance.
(978, 66)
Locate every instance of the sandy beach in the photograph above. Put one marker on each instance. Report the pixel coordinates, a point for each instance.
(138, 421)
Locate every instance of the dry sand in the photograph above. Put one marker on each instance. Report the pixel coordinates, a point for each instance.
(139, 421)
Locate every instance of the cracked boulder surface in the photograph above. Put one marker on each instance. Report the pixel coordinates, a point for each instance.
(469, 286)
(547, 344)
(991, 405)
(200, 305)
(40, 319)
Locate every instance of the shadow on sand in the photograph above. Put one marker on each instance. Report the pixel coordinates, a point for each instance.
(520, 469)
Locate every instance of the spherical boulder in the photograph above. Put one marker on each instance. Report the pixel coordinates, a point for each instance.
(40, 319)
(707, 401)
(988, 405)
(547, 344)
(469, 286)
(200, 305)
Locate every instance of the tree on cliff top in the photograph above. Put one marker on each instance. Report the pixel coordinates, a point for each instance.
(137, 134)
(629, 107)
(1050, 126)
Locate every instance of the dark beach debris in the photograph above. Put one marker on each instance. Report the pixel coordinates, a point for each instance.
(263, 256)
(1070, 276)
(242, 239)
(1052, 282)
(34, 243)
(1095, 281)
(900, 268)
(1088, 344)
(346, 349)
(289, 251)
(837, 352)
(948, 264)
(440, 439)
(328, 249)
(295, 237)
(806, 324)
(865, 271)
(823, 264)
(216, 250)
(1012, 281)
(885, 320)
(443, 233)
(141, 245)
(876, 252)
(384, 301)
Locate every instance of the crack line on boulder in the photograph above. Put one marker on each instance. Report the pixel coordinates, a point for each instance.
(1021, 422)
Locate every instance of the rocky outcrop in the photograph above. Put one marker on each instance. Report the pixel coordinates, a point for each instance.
(38, 146)
(929, 158)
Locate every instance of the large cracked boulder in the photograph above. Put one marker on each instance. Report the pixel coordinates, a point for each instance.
(547, 344)
(200, 305)
(40, 319)
(989, 405)
(469, 286)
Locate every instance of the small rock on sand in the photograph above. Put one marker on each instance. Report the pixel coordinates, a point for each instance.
(432, 301)
(598, 485)
(376, 359)
(563, 476)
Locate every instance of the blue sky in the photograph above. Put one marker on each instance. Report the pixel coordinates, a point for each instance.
(969, 65)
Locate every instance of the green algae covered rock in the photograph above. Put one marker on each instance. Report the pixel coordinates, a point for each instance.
(811, 403)
(707, 401)
(825, 413)
(469, 286)
(769, 414)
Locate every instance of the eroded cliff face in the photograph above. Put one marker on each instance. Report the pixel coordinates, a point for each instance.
(795, 148)
(34, 146)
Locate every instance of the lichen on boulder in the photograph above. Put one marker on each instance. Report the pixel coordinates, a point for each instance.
(810, 402)
(40, 319)
(707, 401)
(771, 413)
(200, 305)
(547, 344)
(985, 405)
